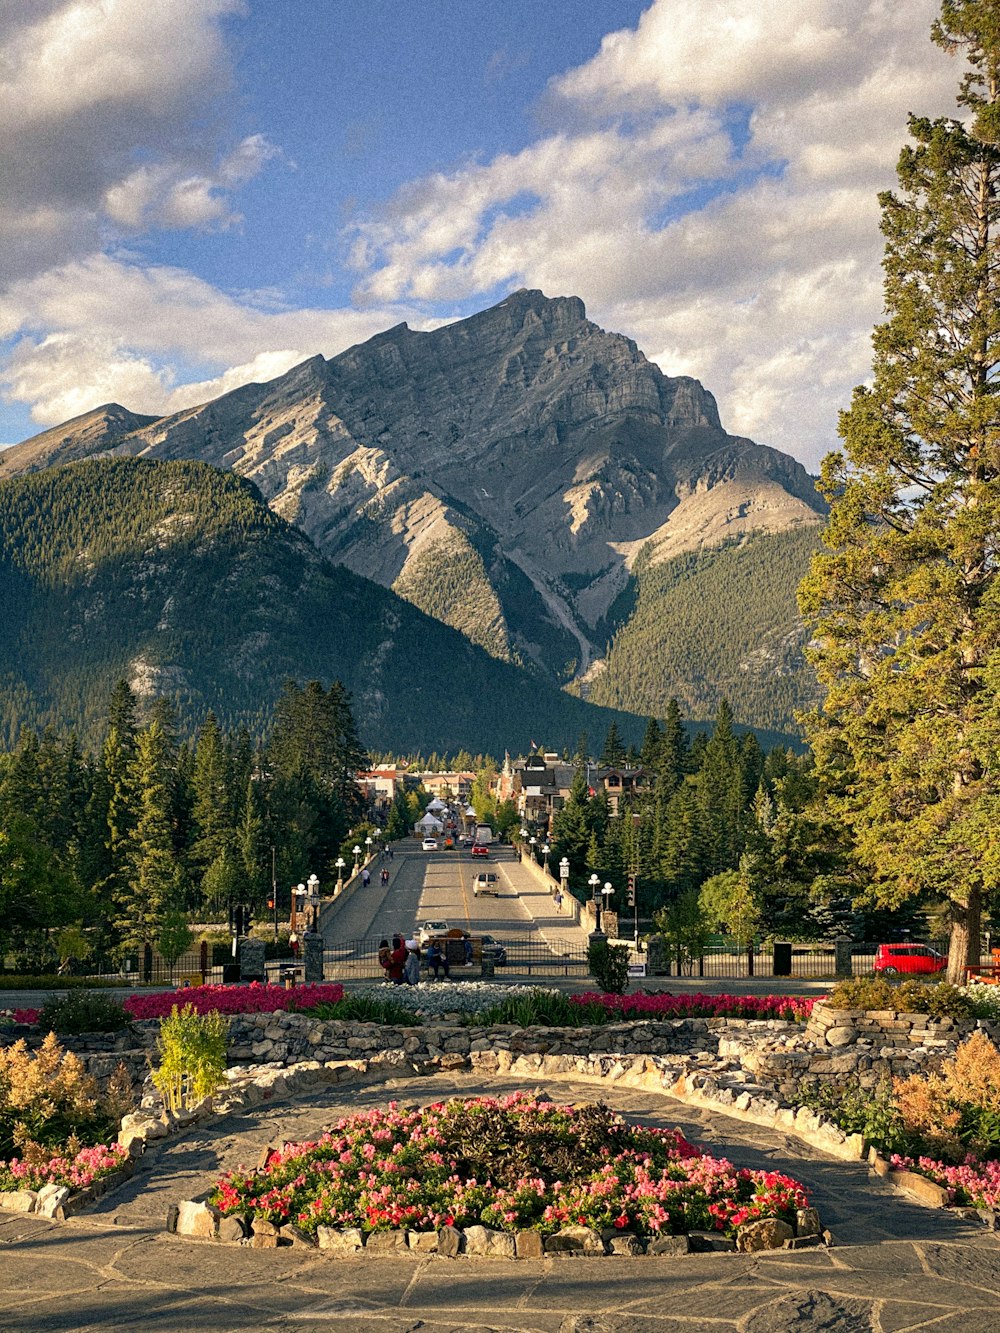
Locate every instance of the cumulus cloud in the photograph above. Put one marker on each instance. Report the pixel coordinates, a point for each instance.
(103, 107)
(155, 338)
(707, 183)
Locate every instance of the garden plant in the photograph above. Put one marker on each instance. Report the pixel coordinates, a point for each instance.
(508, 1163)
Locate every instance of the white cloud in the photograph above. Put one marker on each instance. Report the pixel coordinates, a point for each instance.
(766, 283)
(104, 106)
(156, 339)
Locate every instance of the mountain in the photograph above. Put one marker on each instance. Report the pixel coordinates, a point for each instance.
(503, 473)
(720, 622)
(179, 577)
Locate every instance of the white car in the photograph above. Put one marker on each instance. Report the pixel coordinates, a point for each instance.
(430, 845)
(430, 929)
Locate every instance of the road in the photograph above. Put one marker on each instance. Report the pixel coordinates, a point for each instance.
(438, 886)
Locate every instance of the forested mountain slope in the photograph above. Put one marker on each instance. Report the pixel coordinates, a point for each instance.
(178, 578)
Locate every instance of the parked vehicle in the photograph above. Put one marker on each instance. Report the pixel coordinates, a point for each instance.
(430, 844)
(479, 850)
(484, 834)
(429, 929)
(486, 883)
(894, 960)
(494, 949)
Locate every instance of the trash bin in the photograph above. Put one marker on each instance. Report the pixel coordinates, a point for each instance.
(488, 965)
(230, 974)
(782, 958)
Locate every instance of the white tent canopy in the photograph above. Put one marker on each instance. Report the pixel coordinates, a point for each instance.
(429, 825)
(437, 804)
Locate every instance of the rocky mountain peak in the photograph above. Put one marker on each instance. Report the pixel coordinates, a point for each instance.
(502, 472)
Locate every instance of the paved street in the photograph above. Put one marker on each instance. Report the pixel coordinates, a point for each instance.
(896, 1266)
(439, 886)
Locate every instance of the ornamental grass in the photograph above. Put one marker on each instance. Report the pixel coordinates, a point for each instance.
(509, 1163)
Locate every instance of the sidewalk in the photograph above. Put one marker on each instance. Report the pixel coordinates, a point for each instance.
(558, 930)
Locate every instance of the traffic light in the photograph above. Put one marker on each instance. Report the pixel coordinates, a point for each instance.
(631, 890)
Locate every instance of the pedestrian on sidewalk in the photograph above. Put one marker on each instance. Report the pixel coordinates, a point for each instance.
(366, 879)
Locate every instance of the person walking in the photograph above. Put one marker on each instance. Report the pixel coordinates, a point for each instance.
(385, 877)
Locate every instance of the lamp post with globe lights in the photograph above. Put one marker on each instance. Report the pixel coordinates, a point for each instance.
(312, 885)
(340, 863)
(545, 856)
(357, 856)
(368, 847)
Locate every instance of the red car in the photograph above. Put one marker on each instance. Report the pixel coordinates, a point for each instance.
(479, 849)
(892, 960)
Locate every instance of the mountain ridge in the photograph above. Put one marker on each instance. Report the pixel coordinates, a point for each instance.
(502, 472)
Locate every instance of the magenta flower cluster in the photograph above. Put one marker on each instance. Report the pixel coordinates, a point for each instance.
(77, 1172)
(509, 1163)
(252, 999)
(697, 1005)
(974, 1184)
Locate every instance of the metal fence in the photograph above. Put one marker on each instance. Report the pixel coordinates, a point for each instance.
(358, 959)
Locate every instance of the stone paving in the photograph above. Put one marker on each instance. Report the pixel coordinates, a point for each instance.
(895, 1265)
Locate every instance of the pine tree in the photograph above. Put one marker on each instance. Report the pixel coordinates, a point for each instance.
(613, 753)
(903, 604)
(152, 885)
(212, 806)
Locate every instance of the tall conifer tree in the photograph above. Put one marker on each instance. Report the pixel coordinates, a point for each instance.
(904, 604)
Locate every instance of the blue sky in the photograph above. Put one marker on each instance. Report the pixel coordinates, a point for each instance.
(204, 192)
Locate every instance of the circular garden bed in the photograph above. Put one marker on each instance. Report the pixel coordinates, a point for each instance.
(512, 1165)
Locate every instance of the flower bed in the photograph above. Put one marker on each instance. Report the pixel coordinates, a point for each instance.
(787, 1007)
(974, 1183)
(251, 999)
(511, 1163)
(76, 1172)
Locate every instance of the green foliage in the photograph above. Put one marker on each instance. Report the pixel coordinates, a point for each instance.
(175, 938)
(608, 964)
(448, 580)
(685, 926)
(730, 903)
(181, 573)
(192, 1050)
(718, 623)
(939, 999)
(871, 1112)
(82, 1011)
(367, 1008)
(902, 604)
(539, 1008)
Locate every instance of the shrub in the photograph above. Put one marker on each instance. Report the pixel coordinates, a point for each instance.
(609, 965)
(869, 1111)
(82, 1011)
(958, 1110)
(47, 1099)
(192, 1049)
(940, 999)
(540, 1008)
(662, 1004)
(366, 1007)
(252, 999)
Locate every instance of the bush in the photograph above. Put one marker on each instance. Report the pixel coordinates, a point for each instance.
(192, 1050)
(609, 965)
(364, 1007)
(48, 1100)
(868, 1111)
(938, 999)
(958, 1110)
(82, 1011)
(540, 1008)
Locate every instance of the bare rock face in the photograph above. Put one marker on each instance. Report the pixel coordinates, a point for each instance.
(502, 472)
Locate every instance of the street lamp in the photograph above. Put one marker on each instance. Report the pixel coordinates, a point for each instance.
(545, 855)
(524, 834)
(595, 884)
(298, 893)
(313, 885)
(368, 847)
(357, 854)
(531, 843)
(340, 863)
(606, 893)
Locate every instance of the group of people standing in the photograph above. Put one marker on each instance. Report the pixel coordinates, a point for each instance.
(400, 960)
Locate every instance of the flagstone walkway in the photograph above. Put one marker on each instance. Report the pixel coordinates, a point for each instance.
(895, 1265)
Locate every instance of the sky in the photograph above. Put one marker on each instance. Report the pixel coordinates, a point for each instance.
(199, 193)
